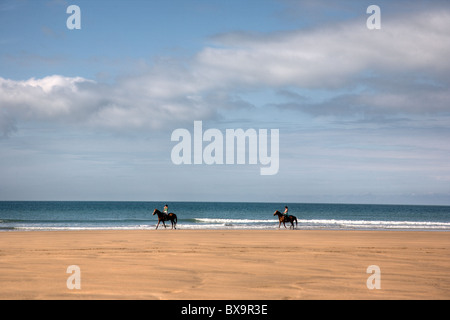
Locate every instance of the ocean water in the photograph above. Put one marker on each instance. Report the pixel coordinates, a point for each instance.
(80, 215)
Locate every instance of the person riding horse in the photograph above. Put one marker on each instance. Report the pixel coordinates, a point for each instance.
(285, 217)
(166, 216)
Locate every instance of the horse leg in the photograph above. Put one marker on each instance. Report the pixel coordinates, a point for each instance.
(164, 224)
(158, 224)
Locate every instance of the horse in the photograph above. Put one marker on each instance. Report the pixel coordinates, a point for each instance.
(172, 217)
(284, 219)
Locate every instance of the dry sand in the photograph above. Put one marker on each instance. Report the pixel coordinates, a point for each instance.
(225, 264)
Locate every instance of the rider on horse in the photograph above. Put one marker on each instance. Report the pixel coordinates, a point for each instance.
(166, 216)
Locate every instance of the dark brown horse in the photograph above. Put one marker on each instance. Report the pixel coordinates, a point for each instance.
(172, 217)
(284, 219)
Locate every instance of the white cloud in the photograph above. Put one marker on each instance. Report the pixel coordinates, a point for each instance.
(332, 56)
(326, 58)
(130, 103)
(50, 97)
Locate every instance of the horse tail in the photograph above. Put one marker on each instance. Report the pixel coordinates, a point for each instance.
(296, 221)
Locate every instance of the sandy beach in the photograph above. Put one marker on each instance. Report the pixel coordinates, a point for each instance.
(225, 264)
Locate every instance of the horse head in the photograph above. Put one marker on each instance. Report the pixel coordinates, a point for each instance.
(276, 213)
(154, 211)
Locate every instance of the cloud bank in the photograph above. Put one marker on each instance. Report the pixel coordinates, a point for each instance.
(401, 68)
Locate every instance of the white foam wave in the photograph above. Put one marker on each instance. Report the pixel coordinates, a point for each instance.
(52, 228)
(327, 223)
(213, 220)
(379, 224)
(216, 223)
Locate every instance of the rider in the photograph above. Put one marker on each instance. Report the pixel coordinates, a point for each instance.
(286, 212)
(166, 209)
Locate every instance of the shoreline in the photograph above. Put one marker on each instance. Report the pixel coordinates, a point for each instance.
(122, 215)
(225, 228)
(225, 264)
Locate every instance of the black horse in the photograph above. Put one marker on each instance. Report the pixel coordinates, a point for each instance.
(284, 219)
(172, 217)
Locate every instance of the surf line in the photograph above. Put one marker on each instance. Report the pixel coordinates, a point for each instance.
(213, 153)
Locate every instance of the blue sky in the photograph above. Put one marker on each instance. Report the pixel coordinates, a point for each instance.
(363, 115)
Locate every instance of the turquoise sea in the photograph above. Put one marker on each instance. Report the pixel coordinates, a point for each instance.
(98, 215)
